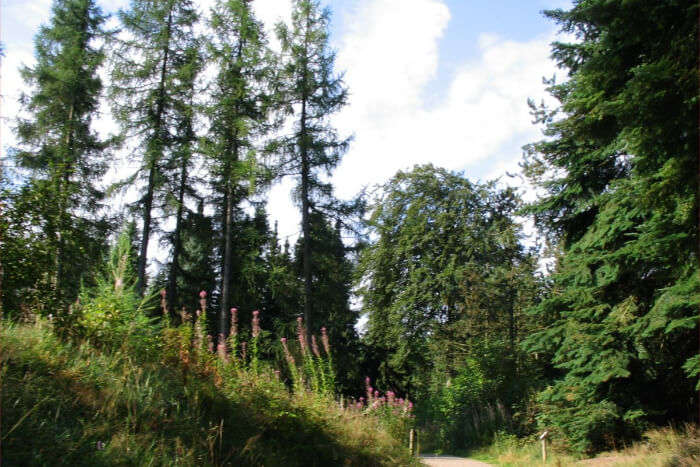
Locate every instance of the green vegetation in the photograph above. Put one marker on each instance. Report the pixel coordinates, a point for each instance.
(659, 447)
(83, 406)
(599, 347)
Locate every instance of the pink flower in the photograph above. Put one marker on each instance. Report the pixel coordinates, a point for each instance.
(234, 321)
(314, 346)
(221, 348)
(203, 294)
(283, 340)
(324, 340)
(162, 293)
(256, 324)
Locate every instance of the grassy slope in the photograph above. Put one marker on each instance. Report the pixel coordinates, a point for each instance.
(60, 400)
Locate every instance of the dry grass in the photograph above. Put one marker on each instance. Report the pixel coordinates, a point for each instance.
(662, 447)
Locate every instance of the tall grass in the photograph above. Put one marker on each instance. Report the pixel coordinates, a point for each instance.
(182, 404)
(662, 447)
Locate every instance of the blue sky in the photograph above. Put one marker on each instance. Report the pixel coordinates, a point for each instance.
(440, 81)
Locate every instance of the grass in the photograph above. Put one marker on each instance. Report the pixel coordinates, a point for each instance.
(66, 403)
(660, 447)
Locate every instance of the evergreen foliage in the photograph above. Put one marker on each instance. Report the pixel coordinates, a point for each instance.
(619, 169)
(54, 211)
(313, 92)
(153, 68)
(239, 113)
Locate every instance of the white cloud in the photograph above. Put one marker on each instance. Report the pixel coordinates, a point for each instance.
(483, 113)
(389, 53)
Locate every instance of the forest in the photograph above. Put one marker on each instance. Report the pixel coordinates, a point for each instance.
(416, 305)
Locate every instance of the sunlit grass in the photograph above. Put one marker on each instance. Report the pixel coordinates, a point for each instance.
(659, 447)
(73, 404)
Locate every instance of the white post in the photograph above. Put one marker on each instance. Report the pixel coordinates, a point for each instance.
(543, 438)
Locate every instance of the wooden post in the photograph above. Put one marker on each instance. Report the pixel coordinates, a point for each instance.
(411, 435)
(543, 438)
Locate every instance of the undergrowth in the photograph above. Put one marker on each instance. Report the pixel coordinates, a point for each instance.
(71, 403)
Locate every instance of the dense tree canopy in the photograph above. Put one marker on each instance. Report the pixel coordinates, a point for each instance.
(620, 173)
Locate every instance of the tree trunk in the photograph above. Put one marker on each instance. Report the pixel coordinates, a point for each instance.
(305, 228)
(65, 182)
(228, 250)
(177, 243)
(305, 204)
(228, 221)
(148, 200)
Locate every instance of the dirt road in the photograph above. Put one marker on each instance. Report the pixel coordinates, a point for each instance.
(451, 461)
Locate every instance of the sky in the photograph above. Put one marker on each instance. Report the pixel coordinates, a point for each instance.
(431, 81)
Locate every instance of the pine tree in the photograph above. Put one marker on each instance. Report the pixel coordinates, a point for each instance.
(238, 111)
(151, 77)
(61, 156)
(620, 173)
(314, 92)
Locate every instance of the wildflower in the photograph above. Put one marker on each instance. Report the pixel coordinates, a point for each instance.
(324, 340)
(314, 346)
(256, 324)
(101, 445)
(234, 321)
(301, 334)
(221, 348)
(287, 354)
(203, 301)
(243, 349)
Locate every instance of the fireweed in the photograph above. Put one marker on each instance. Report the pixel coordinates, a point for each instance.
(255, 333)
(309, 366)
(233, 338)
(395, 413)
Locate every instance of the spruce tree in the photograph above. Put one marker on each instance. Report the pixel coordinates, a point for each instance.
(61, 155)
(619, 169)
(150, 79)
(313, 92)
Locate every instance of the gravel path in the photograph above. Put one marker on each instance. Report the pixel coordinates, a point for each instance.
(451, 461)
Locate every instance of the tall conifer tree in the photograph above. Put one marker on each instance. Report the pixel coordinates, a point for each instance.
(150, 80)
(314, 92)
(620, 172)
(238, 113)
(62, 155)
